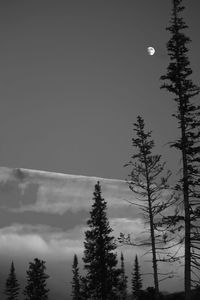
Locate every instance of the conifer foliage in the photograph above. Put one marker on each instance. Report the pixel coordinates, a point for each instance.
(136, 280)
(84, 291)
(148, 184)
(12, 285)
(178, 82)
(99, 259)
(75, 280)
(122, 281)
(36, 281)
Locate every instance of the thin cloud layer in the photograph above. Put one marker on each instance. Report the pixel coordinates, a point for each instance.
(58, 193)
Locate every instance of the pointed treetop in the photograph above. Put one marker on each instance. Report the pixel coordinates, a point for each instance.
(122, 256)
(97, 187)
(75, 259)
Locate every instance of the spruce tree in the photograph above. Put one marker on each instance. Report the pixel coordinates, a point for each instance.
(187, 114)
(75, 280)
(36, 281)
(136, 280)
(12, 285)
(99, 259)
(122, 281)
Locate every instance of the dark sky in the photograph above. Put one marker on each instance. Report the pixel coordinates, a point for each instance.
(75, 74)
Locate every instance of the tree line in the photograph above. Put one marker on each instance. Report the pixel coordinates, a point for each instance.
(36, 287)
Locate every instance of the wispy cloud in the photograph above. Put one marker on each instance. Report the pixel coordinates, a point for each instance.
(58, 193)
(25, 240)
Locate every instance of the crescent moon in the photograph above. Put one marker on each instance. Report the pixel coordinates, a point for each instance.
(151, 50)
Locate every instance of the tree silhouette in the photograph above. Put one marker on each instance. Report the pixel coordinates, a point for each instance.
(75, 280)
(149, 187)
(122, 281)
(12, 286)
(36, 281)
(100, 260)
(136, 280)
(187, 115)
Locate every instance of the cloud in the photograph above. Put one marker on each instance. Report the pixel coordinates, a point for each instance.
(128, 226)
(54, 242)
(21, 244)
(22, 240)
(5, 174)
(54, 193)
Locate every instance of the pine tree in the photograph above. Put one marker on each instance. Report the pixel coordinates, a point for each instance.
(136, 280)
(148, 184)
(36, 281)
(122, 281)
(187, 115)
(12, 285)
(75, 280)
(99, 258)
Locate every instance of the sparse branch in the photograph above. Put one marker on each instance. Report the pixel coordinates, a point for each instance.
(149, 186)
(177, 81)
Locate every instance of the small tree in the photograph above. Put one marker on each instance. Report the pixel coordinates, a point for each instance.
(187, 114)
(12, 286)
(136, 280)
(100, 260)
(75, 280)
(36, 281)
(122, 281)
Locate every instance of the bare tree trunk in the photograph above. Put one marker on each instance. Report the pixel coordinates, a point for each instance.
(153, 245)
(155, 268)
(187, 271)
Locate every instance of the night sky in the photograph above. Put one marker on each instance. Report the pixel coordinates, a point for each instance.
(74, 76)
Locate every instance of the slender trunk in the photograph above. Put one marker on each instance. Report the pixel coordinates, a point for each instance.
(187, 249)
(154, 259)
(187, 271)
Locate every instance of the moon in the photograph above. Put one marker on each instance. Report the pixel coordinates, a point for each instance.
(151, 50)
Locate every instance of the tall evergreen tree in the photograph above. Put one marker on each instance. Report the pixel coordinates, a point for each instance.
(187, 114)
(122, 286)
(136, 280)
(75, 280)
(12, 285)
(36, 281)
(99, 258)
